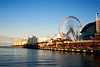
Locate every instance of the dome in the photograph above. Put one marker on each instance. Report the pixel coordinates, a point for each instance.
(88, 31)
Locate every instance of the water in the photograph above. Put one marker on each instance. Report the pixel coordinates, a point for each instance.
(20, 57)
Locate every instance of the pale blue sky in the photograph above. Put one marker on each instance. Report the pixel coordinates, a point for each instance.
(19, 18)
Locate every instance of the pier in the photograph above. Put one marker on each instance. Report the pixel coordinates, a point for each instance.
(70, 46)
(61, 43)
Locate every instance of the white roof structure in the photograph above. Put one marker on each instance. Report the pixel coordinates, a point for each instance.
(62, 36)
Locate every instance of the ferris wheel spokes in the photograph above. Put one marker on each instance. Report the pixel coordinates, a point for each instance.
(70, 27)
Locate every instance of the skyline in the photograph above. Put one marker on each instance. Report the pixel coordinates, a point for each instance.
(20, 18)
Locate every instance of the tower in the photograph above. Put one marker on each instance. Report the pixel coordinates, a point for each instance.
(97, 26)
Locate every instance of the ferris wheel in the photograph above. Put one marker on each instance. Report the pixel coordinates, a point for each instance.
(70, 26)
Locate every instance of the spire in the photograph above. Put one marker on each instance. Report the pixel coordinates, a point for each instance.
(97, 15)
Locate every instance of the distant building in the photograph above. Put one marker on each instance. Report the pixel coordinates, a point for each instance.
(32, 40)
(20, 41)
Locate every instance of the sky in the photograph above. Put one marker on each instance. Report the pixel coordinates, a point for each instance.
(21, 18)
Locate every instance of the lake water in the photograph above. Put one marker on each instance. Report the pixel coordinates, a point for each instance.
(20, 57)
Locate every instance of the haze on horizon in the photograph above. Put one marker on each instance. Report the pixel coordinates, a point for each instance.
(19, 18)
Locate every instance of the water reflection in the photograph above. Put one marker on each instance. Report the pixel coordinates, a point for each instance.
(18, 57)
